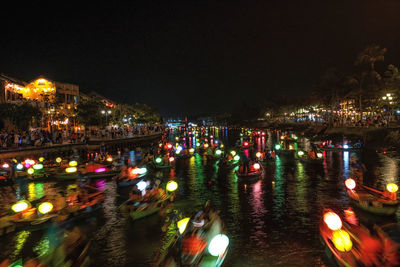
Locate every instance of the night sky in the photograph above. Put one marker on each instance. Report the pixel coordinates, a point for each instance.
(189, 57)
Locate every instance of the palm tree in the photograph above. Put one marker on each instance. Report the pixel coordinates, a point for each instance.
(370, 55)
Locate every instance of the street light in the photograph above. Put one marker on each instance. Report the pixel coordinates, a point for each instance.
(108, 112)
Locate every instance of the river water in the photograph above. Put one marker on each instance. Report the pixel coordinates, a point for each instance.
(270, 222)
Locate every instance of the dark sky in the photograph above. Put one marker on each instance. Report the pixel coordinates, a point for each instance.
(191, 56)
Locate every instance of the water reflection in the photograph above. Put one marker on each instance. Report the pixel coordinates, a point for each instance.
(271, 222)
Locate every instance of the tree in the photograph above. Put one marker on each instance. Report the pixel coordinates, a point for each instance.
(89, 112)
(368, 82)
(21, 116)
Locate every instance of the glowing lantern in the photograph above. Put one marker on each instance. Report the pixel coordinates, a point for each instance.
(258, 154)
(31, 171)
(205, 145)
(172, 186)
(392, 188)
(182, 225)
(70, 169)
(159, 160)
(341, 240)
(38, 166)
(218, 152)
(191, 150)
(236, 158)
(300, 153)
(233, 152)
(350, 183)
(198, 144)
(169, 146)
(73, 163)
(58, 160)
(221, 146)
(333, 221)
(41, 159)
(171, 159)
(282, 137)
(218, 245)
(177, 138)
(30, 162)
(109, 159)
(20, 206)
(291, 147)
(141, 185)
(277, 146)
(20, 166)
(45, 207)
(345, 146)
(5, 166)
(245, 143)
(256, 166)
(27, 165)
(319, 155)
(98, 170)
(137, 171)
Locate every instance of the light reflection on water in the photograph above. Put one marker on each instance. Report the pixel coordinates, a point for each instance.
(271, 222)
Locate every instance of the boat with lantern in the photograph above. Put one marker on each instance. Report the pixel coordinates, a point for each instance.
(145, 208)
(94, 170)
(26, 215)
(310, 158)
(200, 240)
(229, 161)
(130, 176)
(373, 200)
(162, 162)
(79, 207)
(287, 147)
(349, 243)
(256, 171)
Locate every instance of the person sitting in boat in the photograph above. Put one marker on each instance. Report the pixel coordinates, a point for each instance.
(135, 195)
(103, 152)
(245, 162)
(272, 154)
(311, 154)
(155, 193)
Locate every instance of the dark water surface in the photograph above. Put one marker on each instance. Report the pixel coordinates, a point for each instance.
(270, 222)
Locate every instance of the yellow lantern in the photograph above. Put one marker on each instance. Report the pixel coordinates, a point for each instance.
(70, 169)
(41, 159)
(392, 188)
(182, 225)
(58, 160)
(20, 206)
(45, 207)
(31, 171)
(73, 163)
(341, 240)
(172, 186)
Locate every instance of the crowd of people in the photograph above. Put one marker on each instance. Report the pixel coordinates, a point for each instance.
(15, 139)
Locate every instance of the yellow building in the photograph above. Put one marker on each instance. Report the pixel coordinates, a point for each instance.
(41, 90)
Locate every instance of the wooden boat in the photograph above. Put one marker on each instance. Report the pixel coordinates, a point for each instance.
(344, 241)
(252, 174)
(143, 209)
(307, 160)
(372, 200)
(93, 175)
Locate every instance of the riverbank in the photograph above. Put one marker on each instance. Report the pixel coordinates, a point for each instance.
(373, 138)
(112, 145)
